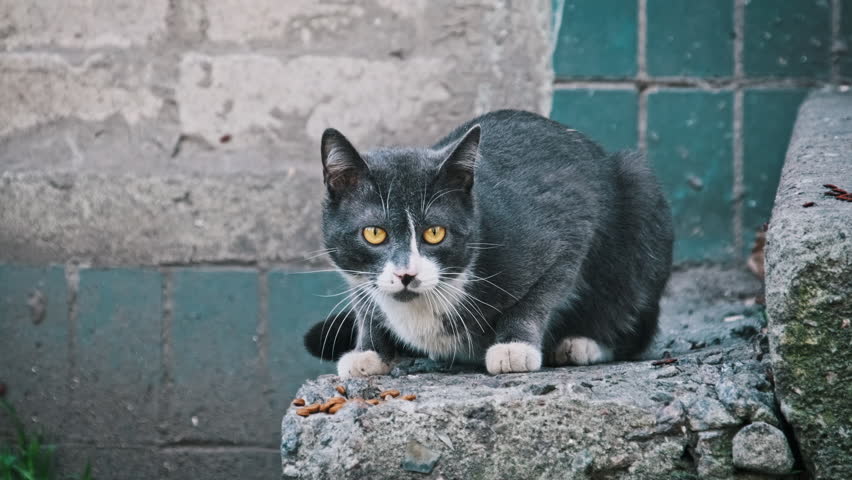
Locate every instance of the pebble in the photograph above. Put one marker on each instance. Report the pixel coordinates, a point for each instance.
(760, 447)
(419, 458)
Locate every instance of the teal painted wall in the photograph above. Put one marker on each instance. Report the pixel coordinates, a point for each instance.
(709, 90)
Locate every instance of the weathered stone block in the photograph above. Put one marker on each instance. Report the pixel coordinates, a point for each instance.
(398, 76)
(39, 88)
(81, 23)
(114, 397)
(34, 345)
(254, 97)
(808, 292)
(124, 219)
(230, 21)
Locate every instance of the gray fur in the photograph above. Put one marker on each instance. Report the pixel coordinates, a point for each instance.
(564, 239)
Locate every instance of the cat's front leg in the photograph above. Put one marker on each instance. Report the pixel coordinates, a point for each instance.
(512, 357)
(362, 364)
(373, 353)
(518, 347)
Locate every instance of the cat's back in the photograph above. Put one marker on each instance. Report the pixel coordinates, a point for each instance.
(513, 139)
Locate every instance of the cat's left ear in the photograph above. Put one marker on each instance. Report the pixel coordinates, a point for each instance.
(458, 167)
(342, 166)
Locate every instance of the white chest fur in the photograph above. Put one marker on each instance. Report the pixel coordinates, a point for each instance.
(420, 324)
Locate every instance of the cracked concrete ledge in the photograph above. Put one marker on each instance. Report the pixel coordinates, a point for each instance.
(809, 285)
(167, 219)
(629, 420)
(625, 420)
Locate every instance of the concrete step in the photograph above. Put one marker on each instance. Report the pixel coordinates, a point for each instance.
(809, 285)
(627, 420)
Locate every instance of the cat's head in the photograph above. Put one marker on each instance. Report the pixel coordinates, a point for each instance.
(397, 221)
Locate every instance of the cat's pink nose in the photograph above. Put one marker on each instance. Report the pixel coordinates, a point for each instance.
(405, 278)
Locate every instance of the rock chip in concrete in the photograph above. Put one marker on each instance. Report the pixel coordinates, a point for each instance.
(419, 458)
(760, 447)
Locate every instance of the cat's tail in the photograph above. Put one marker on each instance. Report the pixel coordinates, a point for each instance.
(331, 338)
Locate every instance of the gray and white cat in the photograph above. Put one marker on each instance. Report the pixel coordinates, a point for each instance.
(513, 241)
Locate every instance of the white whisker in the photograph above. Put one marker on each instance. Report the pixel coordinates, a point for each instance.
(464, 302)
(436, 197)
(363, 296)
(348, 300)
(329, 252)
(332, 270)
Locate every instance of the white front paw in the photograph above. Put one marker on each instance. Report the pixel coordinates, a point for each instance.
(361, 364)
(579, 351)
(512, 357)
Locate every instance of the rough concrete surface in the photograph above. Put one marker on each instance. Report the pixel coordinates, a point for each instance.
(154, 220)
(81, 23)
(808, 286)
(629, 420)
(214, 86)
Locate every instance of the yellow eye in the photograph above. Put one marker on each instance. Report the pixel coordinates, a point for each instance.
(434, 235)
(375, 235)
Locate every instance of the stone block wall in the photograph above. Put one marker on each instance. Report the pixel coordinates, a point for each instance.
(159, 201)
(222, 85)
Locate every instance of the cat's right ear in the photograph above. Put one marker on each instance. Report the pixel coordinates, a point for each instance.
(342, 166)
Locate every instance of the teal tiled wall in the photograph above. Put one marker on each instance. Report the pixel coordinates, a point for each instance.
(768, 119)
(606, 115)
(790, 39)
(689, 146)
(690, 38)
(596, 38)
(196, 355)
(709, 90)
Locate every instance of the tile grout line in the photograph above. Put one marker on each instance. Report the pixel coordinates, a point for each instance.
(164, 397)
(834, 56)
(642, 65)
(728, 83)
(738, 187)
(739, 41)
(642, 39)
